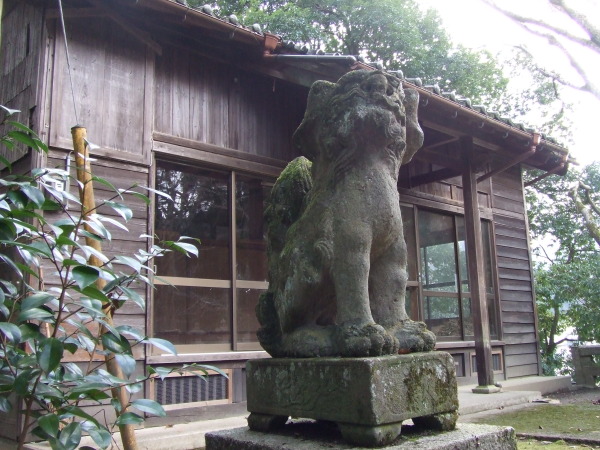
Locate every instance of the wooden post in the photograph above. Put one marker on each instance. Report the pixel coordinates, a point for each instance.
(481, 324)
(86, 195)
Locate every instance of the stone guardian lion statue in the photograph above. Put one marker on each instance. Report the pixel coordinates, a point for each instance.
(337, 255)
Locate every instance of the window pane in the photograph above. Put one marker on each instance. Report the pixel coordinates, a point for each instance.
(442, 316)
(192, 315)
(462, 255)
(247, 322)
(251, 197)
(438, 261)
(200, 209)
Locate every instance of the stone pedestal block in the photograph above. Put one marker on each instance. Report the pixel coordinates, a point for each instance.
(368, 398)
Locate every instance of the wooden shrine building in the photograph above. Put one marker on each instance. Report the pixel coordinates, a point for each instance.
(204, 109)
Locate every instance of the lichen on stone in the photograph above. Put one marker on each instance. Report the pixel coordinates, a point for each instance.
(337, 256)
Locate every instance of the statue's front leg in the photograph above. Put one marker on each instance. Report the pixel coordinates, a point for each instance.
(388, 288)
(356, 333)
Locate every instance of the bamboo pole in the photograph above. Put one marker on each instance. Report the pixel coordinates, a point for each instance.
(86, 195)
(1, 7)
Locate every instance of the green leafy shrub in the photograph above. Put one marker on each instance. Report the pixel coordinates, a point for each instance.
(40, 325)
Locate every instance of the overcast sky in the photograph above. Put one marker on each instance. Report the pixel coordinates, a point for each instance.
(475, 25)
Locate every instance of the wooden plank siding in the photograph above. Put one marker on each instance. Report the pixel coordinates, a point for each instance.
(108, 70)
(22, 43)
(210, 102)
(514, 275)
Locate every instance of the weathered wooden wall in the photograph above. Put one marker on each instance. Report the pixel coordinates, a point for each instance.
(449, 190)
(22, 35)
(22, 46)
(126, 93)
(515, 275)
(109, 79)
(215, 103)
(504, 195)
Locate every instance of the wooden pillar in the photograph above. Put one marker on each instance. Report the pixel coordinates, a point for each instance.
(481, 324)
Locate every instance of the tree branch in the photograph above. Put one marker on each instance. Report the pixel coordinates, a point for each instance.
(581, 20)
(560, 341)
(525, 22)
(587, 189)
(551, 33)
(584, 210)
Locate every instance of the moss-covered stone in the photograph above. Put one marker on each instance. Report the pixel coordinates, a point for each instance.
(337, 256)
(368, 397)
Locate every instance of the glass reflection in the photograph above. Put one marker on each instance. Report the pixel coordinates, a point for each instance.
(192, 315)
(438, 258)
(200, 210)
(442, 316)
(251, 197)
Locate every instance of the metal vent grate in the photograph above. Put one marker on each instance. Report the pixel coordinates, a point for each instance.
(188, 389)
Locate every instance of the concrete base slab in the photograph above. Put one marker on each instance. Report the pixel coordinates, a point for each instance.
(545, 385)
(303, 435)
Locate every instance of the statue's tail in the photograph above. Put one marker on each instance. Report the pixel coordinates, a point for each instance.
(285, 205)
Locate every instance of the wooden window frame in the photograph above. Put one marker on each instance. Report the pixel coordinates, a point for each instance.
(232, 283)
(492, 296)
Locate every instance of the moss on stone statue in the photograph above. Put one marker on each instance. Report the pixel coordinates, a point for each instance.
(337, 256)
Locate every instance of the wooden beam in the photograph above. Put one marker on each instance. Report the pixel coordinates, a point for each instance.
(545, 175)
(78, 13)
(431, 177)
(481, 325)
(440, 143)
(233, 259)
(139, 34)
(520, 158)
(174, 151)
(439, 159)
(217, 150)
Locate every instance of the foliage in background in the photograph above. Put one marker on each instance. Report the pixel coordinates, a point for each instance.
(51, 306)
(533, 97)
(400, 35)
(568, 261)
(395, 33)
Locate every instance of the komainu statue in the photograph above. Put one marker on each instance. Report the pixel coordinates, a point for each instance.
(337, 255)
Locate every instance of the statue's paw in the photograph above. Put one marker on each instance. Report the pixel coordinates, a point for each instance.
(355, 339)
(413, 337)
